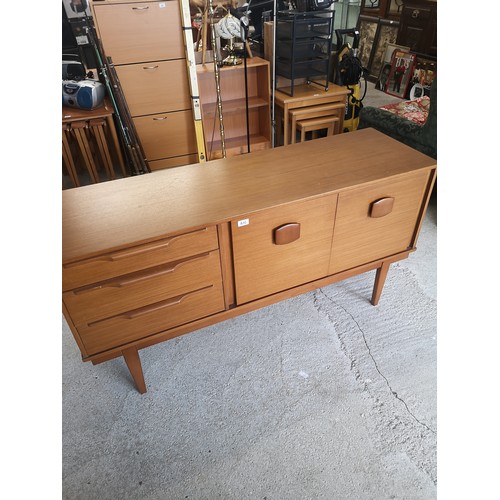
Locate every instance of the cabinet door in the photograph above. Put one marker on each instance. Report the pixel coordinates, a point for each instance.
(140, 32)
(166, 135)
(416, 29)
(155, 87)
(282, 247)
(377, 220)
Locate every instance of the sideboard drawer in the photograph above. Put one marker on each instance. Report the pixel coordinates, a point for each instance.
(176, 161)
(140, 257)
(263, 265)
(141, 322)
(167, 134)
(142, 31)
(131, 291)
(150, 88)
(362, 235)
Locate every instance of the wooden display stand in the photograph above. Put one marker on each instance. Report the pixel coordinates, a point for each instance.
(205, 244)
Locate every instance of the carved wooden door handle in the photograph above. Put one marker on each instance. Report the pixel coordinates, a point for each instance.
(381, 207)
(287, 233)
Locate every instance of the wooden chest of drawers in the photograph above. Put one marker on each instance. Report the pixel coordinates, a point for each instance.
(148, 258)
(137, 292)
(145, 43)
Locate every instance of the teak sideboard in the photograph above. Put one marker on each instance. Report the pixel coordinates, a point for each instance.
(152, 257)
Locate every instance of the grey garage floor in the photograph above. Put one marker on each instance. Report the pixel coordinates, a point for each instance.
(320, 396)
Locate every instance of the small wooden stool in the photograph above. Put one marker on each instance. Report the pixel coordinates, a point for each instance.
(315, 124)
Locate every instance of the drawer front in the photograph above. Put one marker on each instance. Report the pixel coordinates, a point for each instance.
(141, 322)
(176, 161)
(416, 15)
(360, 238)
(149, 88)
(263, 267)
(112, 297)
(167, 134)
(113, 264)
(142, 31)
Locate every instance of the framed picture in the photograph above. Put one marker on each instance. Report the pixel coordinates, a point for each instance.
(387, 33)
(367, 27)
(386, 63)
(401, 73)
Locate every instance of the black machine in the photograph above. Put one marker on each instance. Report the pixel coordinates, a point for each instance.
(348, 72)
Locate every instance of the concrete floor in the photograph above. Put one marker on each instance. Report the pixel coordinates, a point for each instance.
(319, 396)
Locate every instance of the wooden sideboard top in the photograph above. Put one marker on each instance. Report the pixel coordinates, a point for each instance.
(113, 215)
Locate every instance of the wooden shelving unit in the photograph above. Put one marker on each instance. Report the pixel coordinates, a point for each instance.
(232, 90)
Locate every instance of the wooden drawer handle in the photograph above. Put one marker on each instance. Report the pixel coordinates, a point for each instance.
(141, 275)
(138, 251)
(141, 311)
(132, 252)
(161, 305)
(287, 233)
(155, 307)
(381, 207)
(160, 118)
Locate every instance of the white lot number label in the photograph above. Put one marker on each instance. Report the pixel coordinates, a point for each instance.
(243, 222)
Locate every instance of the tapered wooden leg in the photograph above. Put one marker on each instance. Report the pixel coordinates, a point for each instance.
(133, 361)
(379, 282)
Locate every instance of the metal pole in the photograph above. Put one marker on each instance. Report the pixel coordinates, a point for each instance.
(217, 79)
(273, 80)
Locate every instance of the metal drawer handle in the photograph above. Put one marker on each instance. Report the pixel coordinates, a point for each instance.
(415, 14)
(160, 118)
(140, 8)
(150, 67)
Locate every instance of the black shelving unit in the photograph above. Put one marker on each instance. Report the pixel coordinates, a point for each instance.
(304, 45)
